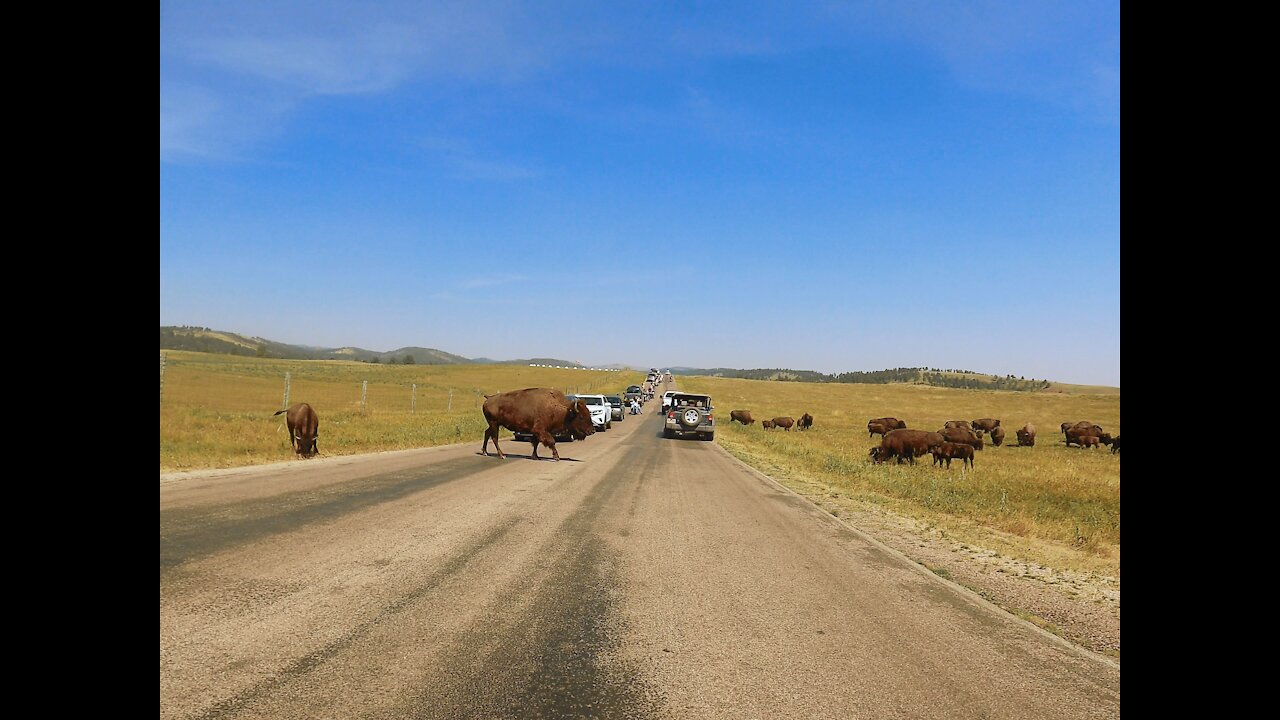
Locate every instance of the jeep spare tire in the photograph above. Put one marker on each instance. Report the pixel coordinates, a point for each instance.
(690, 417)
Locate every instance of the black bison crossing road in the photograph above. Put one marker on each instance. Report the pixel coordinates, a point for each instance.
(304, 428)
(543, 412)
(742, 416)
(805, 422)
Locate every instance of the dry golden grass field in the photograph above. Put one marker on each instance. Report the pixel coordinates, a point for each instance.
(216, 410)
(1051, 504)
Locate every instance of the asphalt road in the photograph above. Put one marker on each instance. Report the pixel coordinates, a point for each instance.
(638, 578)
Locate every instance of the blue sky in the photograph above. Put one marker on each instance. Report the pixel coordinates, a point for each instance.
(822, 186)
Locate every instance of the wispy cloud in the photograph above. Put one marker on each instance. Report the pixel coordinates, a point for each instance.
(1062, 52)
(465, 162)
(233, 74)
(488, 281)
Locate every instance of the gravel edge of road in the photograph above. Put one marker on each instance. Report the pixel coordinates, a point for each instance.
(967, 593)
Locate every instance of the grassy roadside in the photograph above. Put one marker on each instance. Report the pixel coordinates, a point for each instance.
(216, 410)
(1050, 504)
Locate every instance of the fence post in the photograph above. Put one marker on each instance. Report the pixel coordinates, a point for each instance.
(364, 396)
(161, 377)
(413, 402)
(450, 400)
(287, 377)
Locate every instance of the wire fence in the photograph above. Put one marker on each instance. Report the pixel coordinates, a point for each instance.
(239, 385)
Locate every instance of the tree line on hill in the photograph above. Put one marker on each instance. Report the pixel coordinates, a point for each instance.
(966, 379)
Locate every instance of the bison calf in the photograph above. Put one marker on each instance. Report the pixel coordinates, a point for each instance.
(949, 451)
(766, 424)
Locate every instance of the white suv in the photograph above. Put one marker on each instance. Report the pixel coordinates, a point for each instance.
(601, 410)
(666, 400)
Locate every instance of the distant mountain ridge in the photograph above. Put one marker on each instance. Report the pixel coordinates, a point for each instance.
(964, 379)
(202, 339)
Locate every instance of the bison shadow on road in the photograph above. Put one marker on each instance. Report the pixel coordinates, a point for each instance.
(511, 456)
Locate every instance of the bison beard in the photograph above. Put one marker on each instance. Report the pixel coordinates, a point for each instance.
(541, 412)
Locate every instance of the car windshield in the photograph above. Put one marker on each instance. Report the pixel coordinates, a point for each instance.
(695, 400)
(614, 399)
(592, 400)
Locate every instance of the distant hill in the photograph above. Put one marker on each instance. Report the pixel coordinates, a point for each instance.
(202, 339)
(528, 361)
(936, 377)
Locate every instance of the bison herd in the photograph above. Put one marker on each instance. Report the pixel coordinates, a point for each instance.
(955, 440)
(786, 422)
(544, 414)
(958, 439)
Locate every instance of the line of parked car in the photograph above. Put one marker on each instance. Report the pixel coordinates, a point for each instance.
(607, 409)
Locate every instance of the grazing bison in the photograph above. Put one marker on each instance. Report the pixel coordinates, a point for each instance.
(881, 426)
(1073, 434)
(906, 445)
(805, 422)
(982, 425)
(542, 412)
(1083, 424)
(304, 428)
(766, 424)
(949, 451)
(964, 436)
(785, 422)
(997, 437)
(958, 423)
(742, 416)
(1027, 435)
